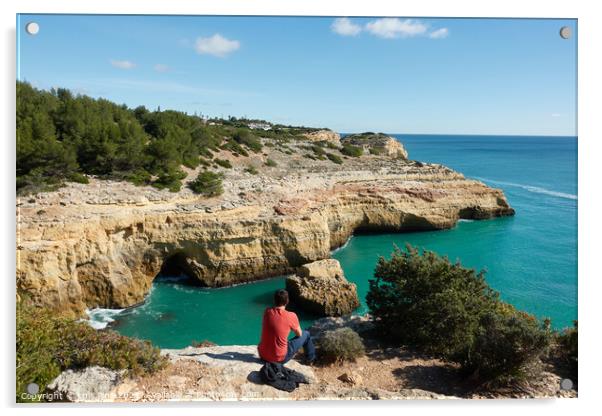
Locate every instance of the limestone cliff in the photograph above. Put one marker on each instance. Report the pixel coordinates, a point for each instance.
(324, 136)
(102, 244)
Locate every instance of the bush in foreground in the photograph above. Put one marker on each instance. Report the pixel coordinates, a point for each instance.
(505, 346)
(343, 344)
(208, 184)
(567, 349)
(48, 344)
(424, 300)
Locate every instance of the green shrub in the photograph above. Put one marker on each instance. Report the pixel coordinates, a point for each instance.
(424, 300)
(334, 158)
(375, 151)
(208, 184)
(235, 148)
(224, 163)
(48, 344)
(139, 177)
(343, 344)
(271, 163)
(204, 162)
(318, 150)
(567, 348)
(79, 178)
(505, 346)
(353, 151)
(252, 170)
(244, 136)
(170, 180)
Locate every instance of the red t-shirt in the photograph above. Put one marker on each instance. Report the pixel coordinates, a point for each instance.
(277, 324)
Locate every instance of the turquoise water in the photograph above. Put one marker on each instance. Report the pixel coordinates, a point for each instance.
(530, 258)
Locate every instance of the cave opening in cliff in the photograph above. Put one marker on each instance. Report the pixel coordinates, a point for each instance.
(178, 266)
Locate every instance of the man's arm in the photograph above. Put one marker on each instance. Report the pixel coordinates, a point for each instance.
(297, 330)
(295, 325)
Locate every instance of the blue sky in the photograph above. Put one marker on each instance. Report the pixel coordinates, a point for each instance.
(397, 75)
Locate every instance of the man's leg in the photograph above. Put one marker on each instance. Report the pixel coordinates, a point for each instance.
(296, 343)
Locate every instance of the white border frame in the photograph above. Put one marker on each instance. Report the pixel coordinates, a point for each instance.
(589, 190)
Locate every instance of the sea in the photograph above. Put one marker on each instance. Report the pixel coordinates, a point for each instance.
(530, 258)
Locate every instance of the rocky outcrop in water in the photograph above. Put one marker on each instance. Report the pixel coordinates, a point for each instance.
(321, 289)
(378, 144)
(102, 244)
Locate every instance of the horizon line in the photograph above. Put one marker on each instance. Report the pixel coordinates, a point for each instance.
(470, 134)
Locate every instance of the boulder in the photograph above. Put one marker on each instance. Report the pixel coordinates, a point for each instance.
(321, 289)
(322, 269)
(378, 143)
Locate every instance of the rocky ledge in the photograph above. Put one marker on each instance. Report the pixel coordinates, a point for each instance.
(102, 244)
(221, 373)
(232, 373)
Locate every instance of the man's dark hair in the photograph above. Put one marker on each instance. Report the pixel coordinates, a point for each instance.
(281, 297)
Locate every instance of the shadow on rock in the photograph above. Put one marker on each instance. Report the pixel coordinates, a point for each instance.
(441, 379)
(233, 356)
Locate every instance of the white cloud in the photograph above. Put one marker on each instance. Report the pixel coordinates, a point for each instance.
(556, 115)
(439, 33)
(161, 68)
(345, 27)
(392, 27)
(122, 64)
(216, 45)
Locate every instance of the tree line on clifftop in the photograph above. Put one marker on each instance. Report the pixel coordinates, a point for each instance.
(63, 137)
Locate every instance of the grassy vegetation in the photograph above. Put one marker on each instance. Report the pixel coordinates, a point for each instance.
(48, 344)
(424, 300)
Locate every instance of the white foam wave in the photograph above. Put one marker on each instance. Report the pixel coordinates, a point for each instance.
(342, 247)
(531, 188)
(99, 318)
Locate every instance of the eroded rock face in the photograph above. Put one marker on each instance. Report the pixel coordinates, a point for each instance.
(378, 143)
(321, 289)
(102, 244)
(324, 135)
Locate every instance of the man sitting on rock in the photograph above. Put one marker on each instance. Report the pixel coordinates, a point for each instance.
(277, 324)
